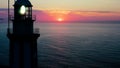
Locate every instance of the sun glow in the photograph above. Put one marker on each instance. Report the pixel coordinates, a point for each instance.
(60, 19)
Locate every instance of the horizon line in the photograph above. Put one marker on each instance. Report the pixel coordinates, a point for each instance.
(65, 10)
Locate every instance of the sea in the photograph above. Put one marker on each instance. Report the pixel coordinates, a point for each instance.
(72, 45)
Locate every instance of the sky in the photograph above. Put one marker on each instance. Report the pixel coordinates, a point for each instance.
(74, 10)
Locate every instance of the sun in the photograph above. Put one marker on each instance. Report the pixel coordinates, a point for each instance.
(60, 19)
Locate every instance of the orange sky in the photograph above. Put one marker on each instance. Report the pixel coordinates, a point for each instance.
(71, 15)
(73, 10)
(68, 15)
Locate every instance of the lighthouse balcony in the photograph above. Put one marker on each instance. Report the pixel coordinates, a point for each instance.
(35, 31)
(23, 36)
(24, 17)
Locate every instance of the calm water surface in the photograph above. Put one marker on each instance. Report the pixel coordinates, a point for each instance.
(73, 45)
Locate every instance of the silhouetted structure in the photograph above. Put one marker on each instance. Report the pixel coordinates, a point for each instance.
(23, 37)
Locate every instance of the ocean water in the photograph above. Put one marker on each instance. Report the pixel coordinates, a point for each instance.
(72, 45)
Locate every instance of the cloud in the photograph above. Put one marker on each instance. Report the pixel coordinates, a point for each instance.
(70, 15)
(95, 13)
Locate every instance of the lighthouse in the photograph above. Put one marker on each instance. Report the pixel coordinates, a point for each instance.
(23, 36)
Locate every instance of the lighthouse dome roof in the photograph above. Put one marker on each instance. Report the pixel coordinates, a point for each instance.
(23, 2)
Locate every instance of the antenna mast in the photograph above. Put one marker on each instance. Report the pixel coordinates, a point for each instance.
(8, 15)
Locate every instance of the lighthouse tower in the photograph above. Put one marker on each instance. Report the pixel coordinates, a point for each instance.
(23, 37)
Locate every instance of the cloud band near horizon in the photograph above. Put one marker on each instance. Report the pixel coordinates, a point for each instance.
(70, 15)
